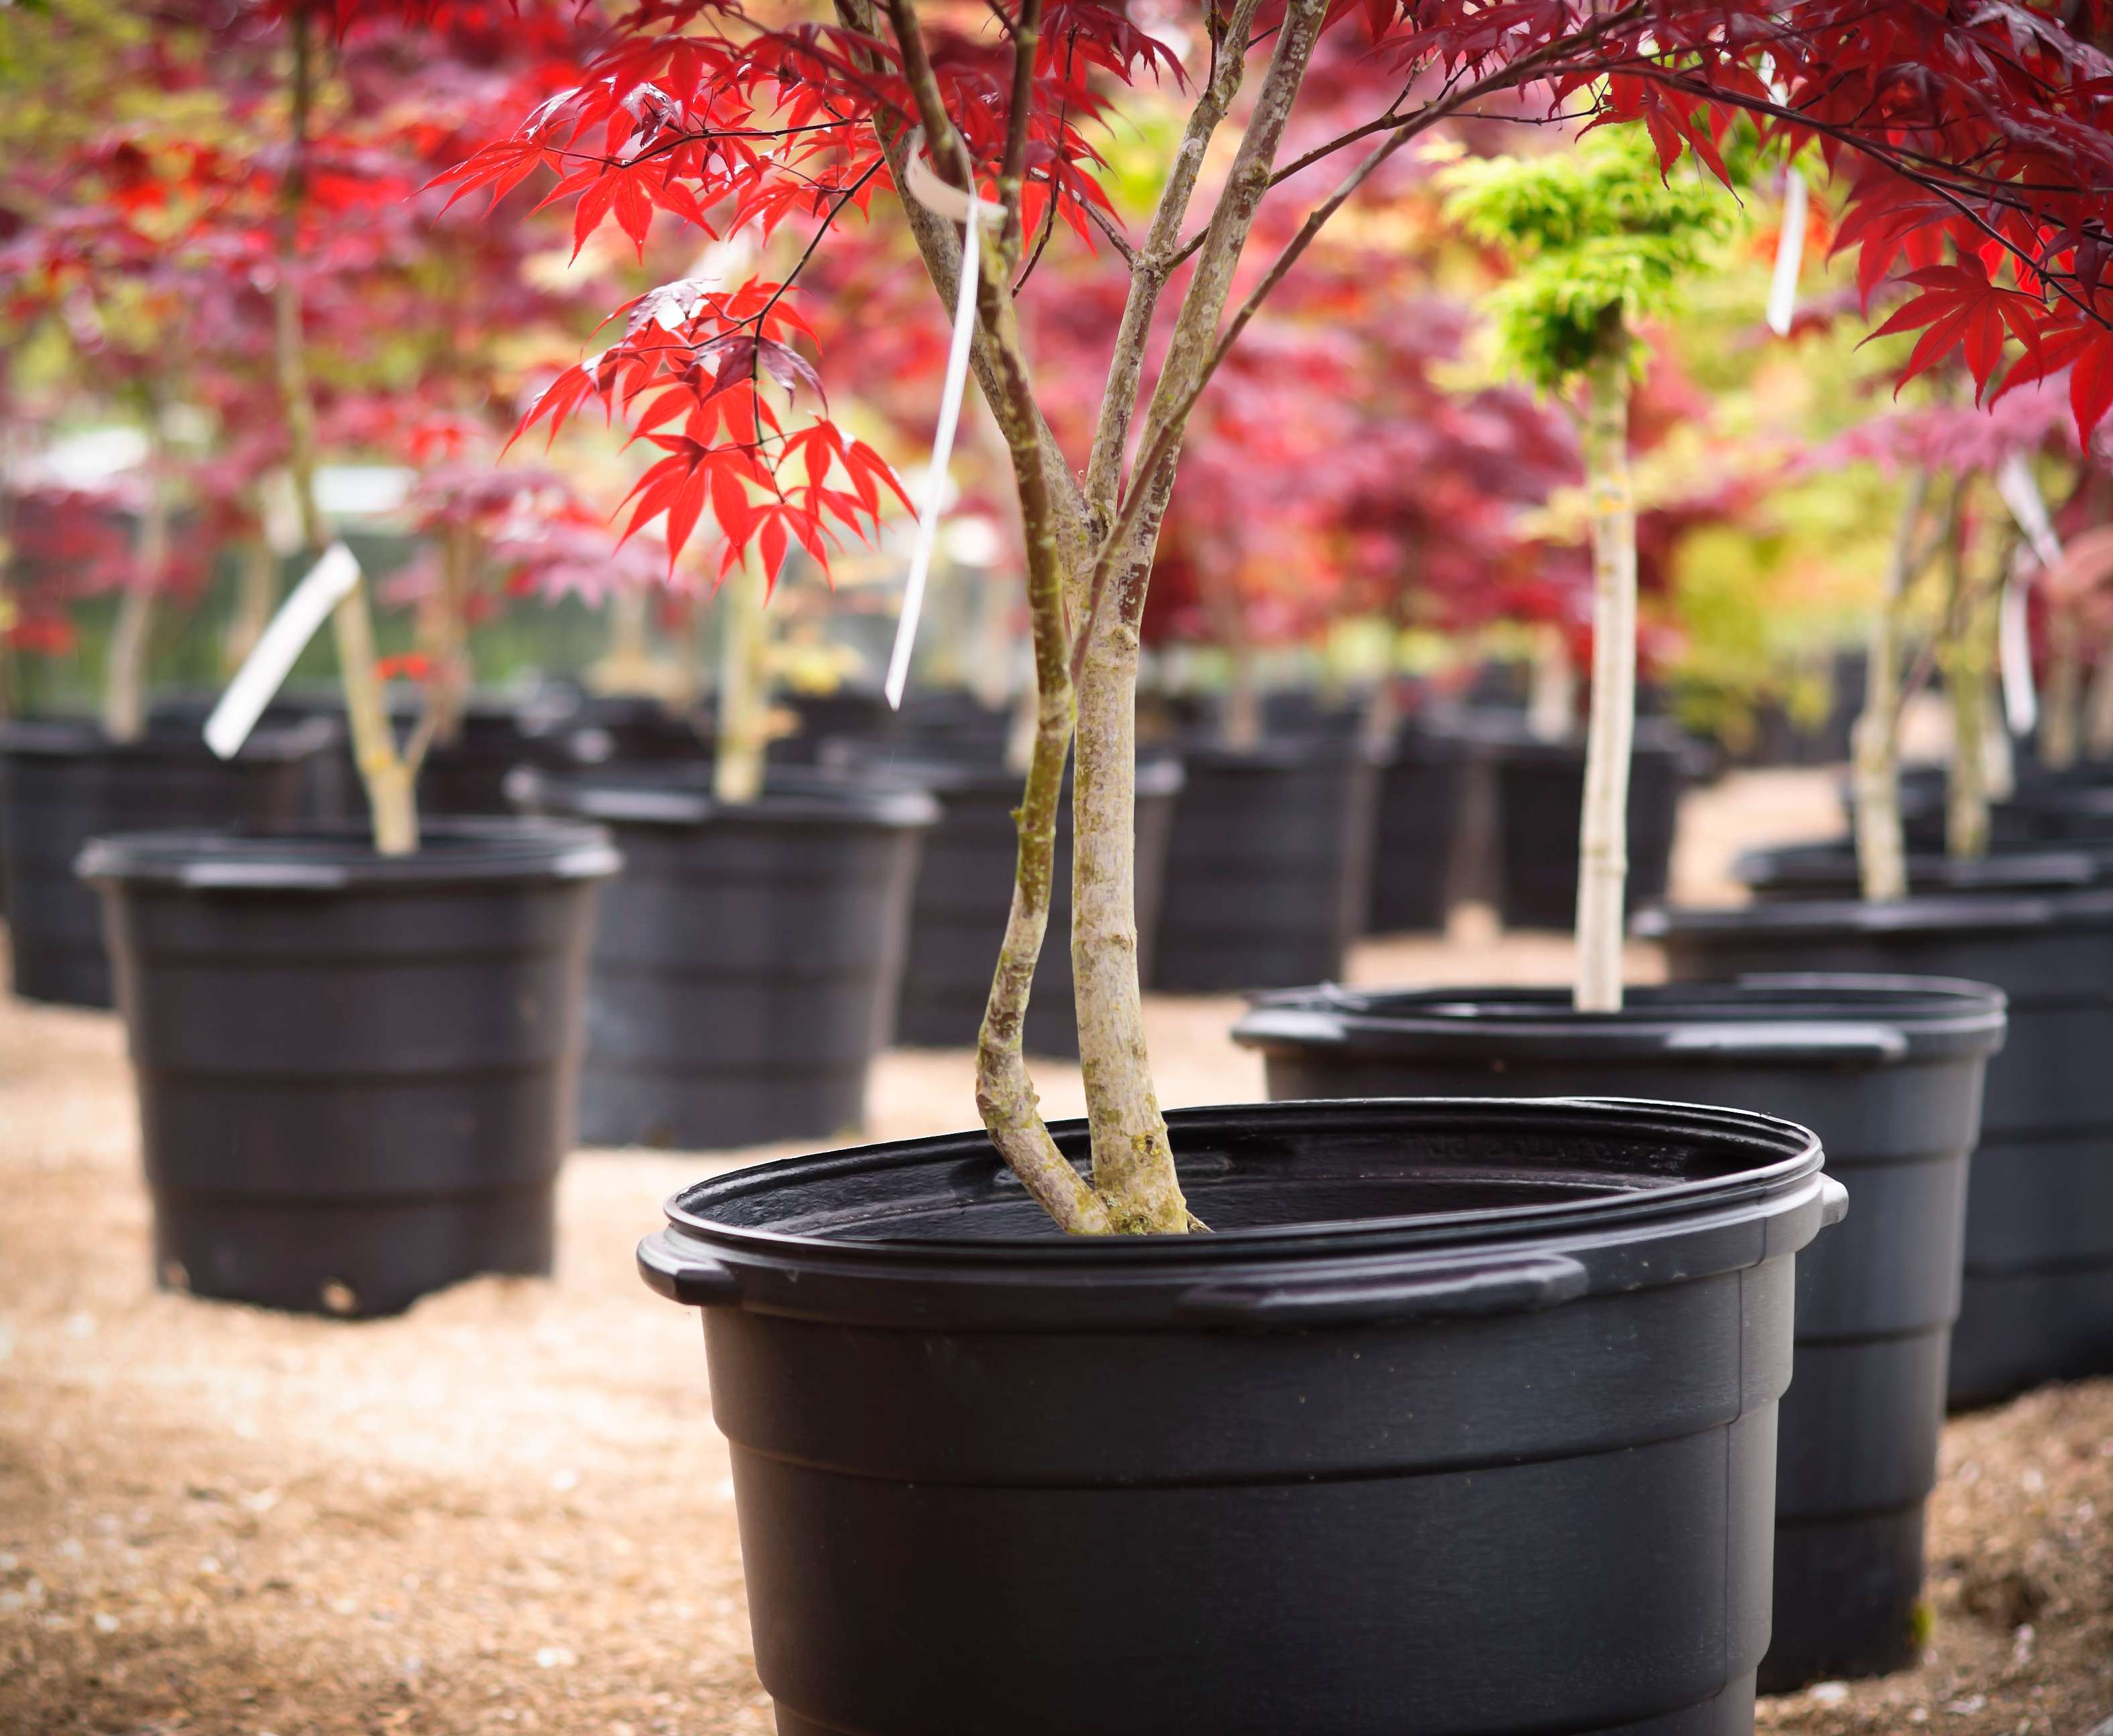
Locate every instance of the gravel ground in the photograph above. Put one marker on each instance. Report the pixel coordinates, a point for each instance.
(508, 1510)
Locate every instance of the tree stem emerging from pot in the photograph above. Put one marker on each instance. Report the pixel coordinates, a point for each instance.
(1602, 850)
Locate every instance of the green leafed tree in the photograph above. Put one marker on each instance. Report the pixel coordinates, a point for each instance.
(1597, 238)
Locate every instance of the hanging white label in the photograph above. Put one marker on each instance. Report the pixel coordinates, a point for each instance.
(2020, 489)
(1790, 256)
(2014, 648)
(326, 585)
(962, 208)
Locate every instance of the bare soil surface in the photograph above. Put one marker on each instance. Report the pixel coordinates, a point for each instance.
(508, 1510)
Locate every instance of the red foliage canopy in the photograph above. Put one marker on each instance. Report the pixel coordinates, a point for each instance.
(1970, 141)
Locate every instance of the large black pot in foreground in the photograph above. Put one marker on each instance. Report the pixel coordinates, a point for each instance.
(1267, 869)
(745, 965)
(1889, 1072)
(356, 1073)
(1540, 796)
(964, 893)
(2037, 1303)
(1462, 1421)
(63, 783)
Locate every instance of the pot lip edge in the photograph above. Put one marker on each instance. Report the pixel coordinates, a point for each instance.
(1086, 1258)
(1924, 1028)
(493, 848)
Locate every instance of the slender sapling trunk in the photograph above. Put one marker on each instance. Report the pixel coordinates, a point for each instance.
(1603, 826)
(2098, 708)
(124, 674)
(1551, 703)
(2061, 706)
(1966, 659)
(743, 711)
(1881, 870)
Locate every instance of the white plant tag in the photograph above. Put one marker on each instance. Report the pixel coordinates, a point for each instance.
(2020, 491)
(2014, 651)
(1790, 256)
(964, 209)
(326, 584)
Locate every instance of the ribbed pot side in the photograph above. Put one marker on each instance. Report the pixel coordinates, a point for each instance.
(747, 961)
(1268, 867)
(2037, 1300)
(1889, 1073)
(63, 783)
(356, 1074)
(1462, 1421)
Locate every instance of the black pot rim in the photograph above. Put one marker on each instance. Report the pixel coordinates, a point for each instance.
(1285, 753)
(1989, 912)
(340, 858)
(2040, 866)
(679, 796)
(1756, 1019)
(922, 766)
(1764, 1168)
(82, 738)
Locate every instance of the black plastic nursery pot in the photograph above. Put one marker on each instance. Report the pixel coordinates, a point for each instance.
(746, 964)
(2037, 1299)
(1889, 1072)
(64, 781)
(964, 893)
(1268, 866)
(1829, 871)
(1462, 1421)
(356, 1073)
(1540, 796)
(1421, 808)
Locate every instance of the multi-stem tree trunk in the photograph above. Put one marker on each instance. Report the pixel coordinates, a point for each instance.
(1881, 846)
(1603, 849)
(744, 688)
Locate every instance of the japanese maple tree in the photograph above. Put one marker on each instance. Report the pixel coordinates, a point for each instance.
(1969, 145)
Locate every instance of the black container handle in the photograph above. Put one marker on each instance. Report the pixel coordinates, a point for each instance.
(1484, 1287)
(695, 1280)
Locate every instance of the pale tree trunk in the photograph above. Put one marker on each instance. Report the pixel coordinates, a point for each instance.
(2061, 706)
(627, 665)
(124, 673)
(444, 636)
(743, 706)
(1551, 704)
(1882, 870)
(1242, 727)
(1966, 659)
(2098, 708)
(389, 778)
(256, 597)
(1603, 847)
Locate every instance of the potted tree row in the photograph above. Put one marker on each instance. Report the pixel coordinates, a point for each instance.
(356, 1049)
(1948, 894)
(1888, 1068)
(1057, 1438)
